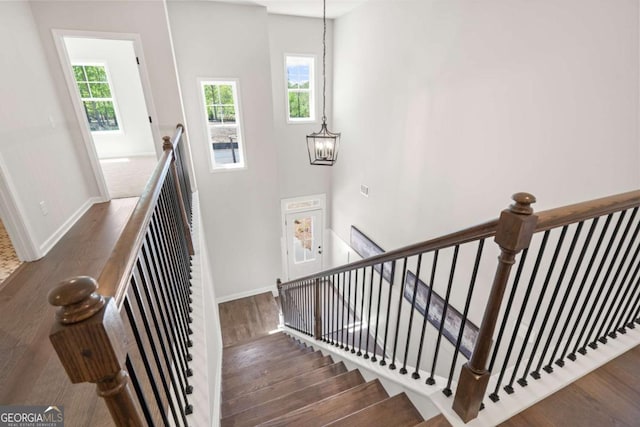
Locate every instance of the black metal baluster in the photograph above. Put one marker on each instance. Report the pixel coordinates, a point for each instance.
(601, 335)
(366, 348)
(628, 297)
(443, 318)
(355, 312)
(348, 308)
(342, 301)
(534, 316)
(137, 279)
(516, 281)
(167, 321)
(629, 321)
(364, 277)
(472, 284)
(403, 370)
(548, 368)
(574, 275)
(169, 282)
(375, 337)
(583, 349)
(534, 273)
(416, 374)
(139, 393)
(397, 328)
(386, 328)
(572, 356)
(178, 340)
(145, 360)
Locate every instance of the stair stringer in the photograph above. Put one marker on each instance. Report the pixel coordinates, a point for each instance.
(418, 392)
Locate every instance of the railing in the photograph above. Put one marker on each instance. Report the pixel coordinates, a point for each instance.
(576, 284)
(135, 332)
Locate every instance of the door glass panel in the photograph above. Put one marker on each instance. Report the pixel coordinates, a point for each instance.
(303, 240)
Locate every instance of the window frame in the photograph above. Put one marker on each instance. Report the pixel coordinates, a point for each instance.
(239, 125)
(113, 100)
(313, 86)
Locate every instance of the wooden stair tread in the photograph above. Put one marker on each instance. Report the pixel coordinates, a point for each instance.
(397, 411)
(437, 421)
(253, 361)
(253, 384)
(264, 339)
(240, 403)
(333, 408)
(297, 399)
(247, 375)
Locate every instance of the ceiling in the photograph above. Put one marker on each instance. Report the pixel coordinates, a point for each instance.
(312, 8)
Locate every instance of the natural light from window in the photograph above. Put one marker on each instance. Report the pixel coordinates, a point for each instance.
(300, 88)
(223, 122)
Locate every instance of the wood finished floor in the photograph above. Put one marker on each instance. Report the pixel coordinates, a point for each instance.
(247, 318)
(30, 372)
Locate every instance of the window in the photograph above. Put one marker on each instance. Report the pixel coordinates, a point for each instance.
(97, 97)
(300, 88)
(303, 240)
(223, 124)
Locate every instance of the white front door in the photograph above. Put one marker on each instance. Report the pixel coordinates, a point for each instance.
(304, 242)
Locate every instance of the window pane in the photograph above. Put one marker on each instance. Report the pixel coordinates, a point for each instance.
(224, 142)
(95, 73)
(299, 105)
(226, 94)
(222, 118)
(78, 72)
(100, 90)
(101, 115)
(208, 95)
(303, 240)
(84, 90)
(300, 87)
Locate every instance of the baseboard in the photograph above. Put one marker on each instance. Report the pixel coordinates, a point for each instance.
(64, 228)
(245, 294)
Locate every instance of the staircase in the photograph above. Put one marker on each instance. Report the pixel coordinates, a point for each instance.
(275, 380)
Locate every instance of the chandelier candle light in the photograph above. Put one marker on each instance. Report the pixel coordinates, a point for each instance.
(323, 145)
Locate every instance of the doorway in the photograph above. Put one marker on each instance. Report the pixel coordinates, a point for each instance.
(303, 226)
(106, 79)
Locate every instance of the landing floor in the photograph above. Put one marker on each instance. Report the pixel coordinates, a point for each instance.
(30, 372)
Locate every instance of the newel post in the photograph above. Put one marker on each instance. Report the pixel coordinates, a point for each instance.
(317, 327)
(515, 229)
(168, 145)
(91, 342)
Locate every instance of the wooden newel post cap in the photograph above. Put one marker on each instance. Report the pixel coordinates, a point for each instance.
(77, 299)
(517, 224)
(166, 143)
(523, 202)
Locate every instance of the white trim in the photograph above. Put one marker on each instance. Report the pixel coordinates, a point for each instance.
(230, 167)
(64, 228)
(322, 206)
(273, 289)
(313, 99)
(13, 218)
(63, 55)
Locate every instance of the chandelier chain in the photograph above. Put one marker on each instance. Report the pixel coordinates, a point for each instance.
(324, 60)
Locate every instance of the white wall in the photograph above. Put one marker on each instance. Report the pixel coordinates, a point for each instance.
(134, 137)
(145, 18)
(240, 209)
(295, 35)
(449, 107)
(39, 155)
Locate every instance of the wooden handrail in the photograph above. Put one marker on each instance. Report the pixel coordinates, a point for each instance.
(471, 234)
(548, 219)
(115, 275)
(570, 214)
